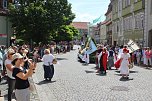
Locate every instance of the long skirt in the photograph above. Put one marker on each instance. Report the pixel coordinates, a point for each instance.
(48, 71)
(110, 62)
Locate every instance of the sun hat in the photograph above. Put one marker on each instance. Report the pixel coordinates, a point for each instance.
(10, 51)
(16, 56)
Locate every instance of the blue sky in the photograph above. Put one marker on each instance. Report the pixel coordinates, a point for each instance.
(88, 10)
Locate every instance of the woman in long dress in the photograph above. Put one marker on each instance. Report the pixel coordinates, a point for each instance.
(103, 61)
(125, 60)
(48, 66)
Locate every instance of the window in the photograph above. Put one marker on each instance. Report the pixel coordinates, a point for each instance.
(120, 5)
(5, 4)
(129, 2)
(126, 3)
(139, 21)
(123, 3)
(116, 7)
(127, 23)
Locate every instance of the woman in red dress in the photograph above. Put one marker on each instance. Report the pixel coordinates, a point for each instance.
(103, 61)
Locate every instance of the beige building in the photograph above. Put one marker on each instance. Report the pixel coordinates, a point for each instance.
(82, 27)
(103, 32)
(94, 33)
(148, 22)
(109, 25)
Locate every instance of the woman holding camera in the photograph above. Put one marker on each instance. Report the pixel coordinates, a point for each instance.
(22, 85)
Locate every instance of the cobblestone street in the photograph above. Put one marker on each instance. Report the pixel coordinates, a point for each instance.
(75, 82)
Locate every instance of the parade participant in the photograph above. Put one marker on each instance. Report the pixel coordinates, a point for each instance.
(22, 92)
(48, 60)
(138, 56)
(9, 69)
(99, 49)
(103, 61)
(125, 60)
(86, 56)
(110, 59)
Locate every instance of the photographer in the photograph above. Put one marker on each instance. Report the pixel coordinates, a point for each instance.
(22, 85)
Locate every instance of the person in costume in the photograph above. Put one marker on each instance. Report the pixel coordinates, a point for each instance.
(103, 61)
(125, 60)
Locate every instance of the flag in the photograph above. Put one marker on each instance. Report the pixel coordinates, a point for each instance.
(132, 46)
(95, 21)
(92, 47)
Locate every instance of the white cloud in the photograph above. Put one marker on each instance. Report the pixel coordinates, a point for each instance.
(88, 10)
(84, 17)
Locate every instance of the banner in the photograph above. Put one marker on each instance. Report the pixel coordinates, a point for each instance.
(95, 21)
(92, 47)
(132, 46)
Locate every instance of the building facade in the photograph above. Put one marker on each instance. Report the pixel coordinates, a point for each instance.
(109, 25)
(5, 25)
(94, 33)
(128, 21)
(82, 27)
(148, 20)
(103, 32)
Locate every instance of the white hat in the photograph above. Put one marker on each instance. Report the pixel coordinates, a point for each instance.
(17, 56)
(10, 51)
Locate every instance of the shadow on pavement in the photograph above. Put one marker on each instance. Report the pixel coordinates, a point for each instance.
(125, 79)
(87, 71)
(148, 68)
(118, 74)
(130, 71)
(44, 82)
(96, 68)
(101, 74)
(117, 71)
(62, 59)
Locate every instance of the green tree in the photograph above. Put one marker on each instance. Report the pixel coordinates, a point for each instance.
(66, 33)
(38, 19)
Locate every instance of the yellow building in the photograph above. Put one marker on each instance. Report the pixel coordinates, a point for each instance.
(128, 21)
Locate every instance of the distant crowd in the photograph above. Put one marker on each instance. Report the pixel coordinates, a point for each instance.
(18, 63)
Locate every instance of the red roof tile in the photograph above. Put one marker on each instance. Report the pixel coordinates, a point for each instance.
(80, 25)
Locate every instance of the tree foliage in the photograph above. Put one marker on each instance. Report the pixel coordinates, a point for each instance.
(66, 33)
(38, 19)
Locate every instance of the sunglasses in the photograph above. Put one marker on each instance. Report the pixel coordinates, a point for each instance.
(12, 54)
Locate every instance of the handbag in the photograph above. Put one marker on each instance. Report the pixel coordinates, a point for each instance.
(130, 66)
(54, 61)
